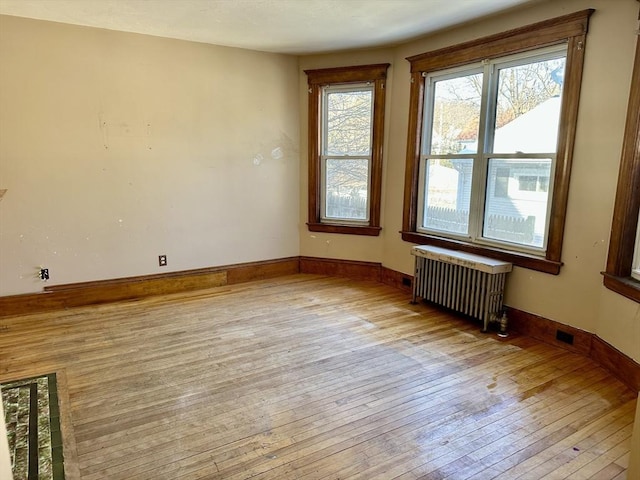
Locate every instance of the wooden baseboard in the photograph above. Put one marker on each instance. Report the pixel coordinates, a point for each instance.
(341, 268)
(71, 295)
(546, 330)
(622, 366)
(585, 343)
(88, 293)
(396, 279)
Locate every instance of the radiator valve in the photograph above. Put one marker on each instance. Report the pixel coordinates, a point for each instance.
(503, 325)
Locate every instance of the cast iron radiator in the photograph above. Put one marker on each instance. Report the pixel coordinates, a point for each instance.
(467, 283)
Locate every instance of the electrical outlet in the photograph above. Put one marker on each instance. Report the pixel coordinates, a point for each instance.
(44, 274)
(162, 260)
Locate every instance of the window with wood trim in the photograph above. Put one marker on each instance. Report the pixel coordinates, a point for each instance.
(623, 263)
(487, 165)
(346, 129)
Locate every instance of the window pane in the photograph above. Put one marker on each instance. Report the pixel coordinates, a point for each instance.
(516, 203)
(528, 107)
(456, 115)
(635, 267)
(447, 195)
(349, 116)
(346, 185)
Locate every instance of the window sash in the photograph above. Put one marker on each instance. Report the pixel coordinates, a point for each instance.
(324, 216)
(348, 88)
(490, 70)
(480, 181)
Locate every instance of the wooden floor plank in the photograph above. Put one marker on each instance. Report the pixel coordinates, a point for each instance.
(309, 377)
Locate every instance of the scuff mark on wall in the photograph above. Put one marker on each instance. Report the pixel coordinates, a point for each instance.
(276, 153)
(2, 192)
(102, 124)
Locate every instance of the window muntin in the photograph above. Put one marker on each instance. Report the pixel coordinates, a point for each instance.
(503, 113)
(347, 131)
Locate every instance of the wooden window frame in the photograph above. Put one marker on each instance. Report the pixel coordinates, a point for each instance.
(617, 276)
(570, 29)
(375, 74)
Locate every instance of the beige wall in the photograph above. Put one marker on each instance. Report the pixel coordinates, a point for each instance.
(116, 148)
(576, 296)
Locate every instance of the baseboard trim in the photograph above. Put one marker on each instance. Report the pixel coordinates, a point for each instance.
(543, 329)
(341, 268)
(616, 362)
(58, 297)
(588, 344)
(397, 279)
(71, 295)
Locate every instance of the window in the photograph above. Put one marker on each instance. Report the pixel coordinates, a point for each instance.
(635, 267)
(508, 109)
(494, 123)
(346, 153)
(346, 127)
(623, 262)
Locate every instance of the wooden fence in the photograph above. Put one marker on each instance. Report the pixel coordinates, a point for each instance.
(353, 207)
(501, 227)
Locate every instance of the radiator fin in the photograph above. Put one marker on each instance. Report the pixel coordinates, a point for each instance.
(465, 283)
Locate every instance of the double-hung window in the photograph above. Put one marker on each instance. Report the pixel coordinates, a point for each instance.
(347, 121)
(489, 150)
(346, 127)
(491, 132)
(623, 262)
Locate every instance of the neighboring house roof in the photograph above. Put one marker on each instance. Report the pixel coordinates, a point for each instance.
(534, 132)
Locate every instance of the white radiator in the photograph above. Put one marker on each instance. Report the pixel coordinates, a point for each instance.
(463, 282)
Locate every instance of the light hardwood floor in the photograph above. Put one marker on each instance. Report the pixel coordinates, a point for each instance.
(308, 377)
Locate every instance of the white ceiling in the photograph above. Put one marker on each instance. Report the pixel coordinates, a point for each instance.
(283, 26)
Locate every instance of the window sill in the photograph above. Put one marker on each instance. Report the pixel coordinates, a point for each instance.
(344, 229)
(626, 286)
(520, 259)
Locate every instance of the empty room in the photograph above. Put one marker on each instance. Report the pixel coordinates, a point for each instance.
(304, 239)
